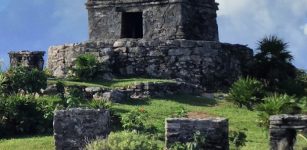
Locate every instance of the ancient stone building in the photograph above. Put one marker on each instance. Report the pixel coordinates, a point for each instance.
(30, 59)
(175, 39)
(153, 19)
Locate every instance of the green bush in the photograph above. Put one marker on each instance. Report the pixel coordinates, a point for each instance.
(126, 141)
(25, 80)
(181, 112)
(303, 103)
(48, 105)
(75, 97)
(292, 87)
(134, 120)
(237, 138)
(198, 143)
(99, 104)
(87, 67)
(246, 92)
(23, 115)
(276, 104)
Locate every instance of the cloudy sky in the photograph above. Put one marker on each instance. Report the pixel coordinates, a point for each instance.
(37, 24)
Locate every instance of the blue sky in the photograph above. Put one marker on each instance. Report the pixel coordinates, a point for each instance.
(38, 24)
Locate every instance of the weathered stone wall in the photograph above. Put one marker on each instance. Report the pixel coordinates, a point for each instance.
(283, 130)
(143, 90)
(213, 65)
(30, 59)
(162, 19)
(214, 130)
(74, 127)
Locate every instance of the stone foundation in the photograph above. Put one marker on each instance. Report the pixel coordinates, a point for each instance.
(214, 130)
(74, 127)
(283, 130)
(213, 65)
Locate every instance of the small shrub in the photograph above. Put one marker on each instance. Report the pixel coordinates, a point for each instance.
(75, 97)
(48, 73)
(178, 146)
(180, 113)
(60, 87)
(126, 141)
(246, 92)
(25, 80)
(276, 104)
(237, 138)
(48, 105)
(100, 104)
(292, 87)
(197, 143)
(99, 144)
(303, 103)
(134, 120)
(23, 115)
(87, 67)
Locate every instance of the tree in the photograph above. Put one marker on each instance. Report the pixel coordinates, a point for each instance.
(273, 63)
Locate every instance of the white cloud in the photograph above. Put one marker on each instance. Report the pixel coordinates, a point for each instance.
(71, 20)
(247, 21)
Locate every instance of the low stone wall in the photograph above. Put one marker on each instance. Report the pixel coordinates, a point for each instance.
(213, 65)
(214, 130)
(283, 130)
(74, 127)
(142, 90)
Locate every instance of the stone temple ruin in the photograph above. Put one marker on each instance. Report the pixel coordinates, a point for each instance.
(27, 59)
(175, 39)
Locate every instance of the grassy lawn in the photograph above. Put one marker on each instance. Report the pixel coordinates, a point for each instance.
(115, 83)
(29, 143)
(161, 108)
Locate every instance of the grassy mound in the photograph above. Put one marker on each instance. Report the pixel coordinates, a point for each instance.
(161, 108)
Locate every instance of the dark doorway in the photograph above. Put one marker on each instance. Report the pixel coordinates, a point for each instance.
(132, 25)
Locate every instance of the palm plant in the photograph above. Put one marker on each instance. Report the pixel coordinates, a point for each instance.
(273, 62)
(276, 104)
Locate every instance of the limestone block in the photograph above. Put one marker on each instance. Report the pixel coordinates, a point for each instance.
(73, 128)
(214, 130)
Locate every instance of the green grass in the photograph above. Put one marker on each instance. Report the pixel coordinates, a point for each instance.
(29, 143)
(161, 108)
(115, 83)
